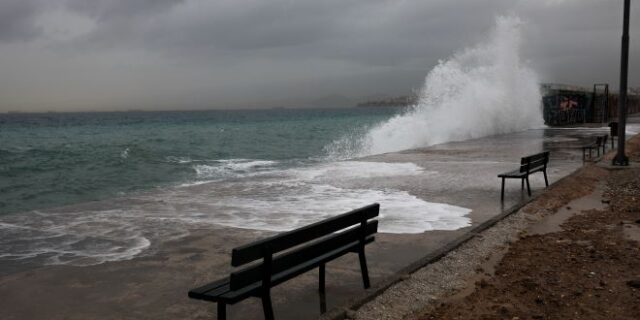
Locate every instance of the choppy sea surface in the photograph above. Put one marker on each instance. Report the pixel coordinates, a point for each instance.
(85, 188)
(53, 159)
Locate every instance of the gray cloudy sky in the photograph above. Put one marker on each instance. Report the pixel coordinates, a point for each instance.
(193, 54)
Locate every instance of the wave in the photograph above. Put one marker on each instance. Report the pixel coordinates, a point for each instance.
(284, 199)
(77, 239)
(230, 167)
(480, 91)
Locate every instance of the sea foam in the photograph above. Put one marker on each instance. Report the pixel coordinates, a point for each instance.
(284, 199)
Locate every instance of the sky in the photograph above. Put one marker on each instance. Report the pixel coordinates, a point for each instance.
(97, 55)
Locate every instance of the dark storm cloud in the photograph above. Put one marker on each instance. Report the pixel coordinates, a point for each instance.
(17, 20)
(108, 10)
(379, 32)
(198, 54)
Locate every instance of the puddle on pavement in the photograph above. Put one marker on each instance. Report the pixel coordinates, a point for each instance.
(553, 222)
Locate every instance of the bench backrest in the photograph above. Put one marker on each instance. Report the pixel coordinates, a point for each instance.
(533, 162)
(321, 237)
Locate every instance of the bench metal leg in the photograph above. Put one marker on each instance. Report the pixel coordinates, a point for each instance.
(323, 303)
(321, 279)
(222, 311)
(267, 307)
(363, 268)
(522, 183)
(546, 181)
(502, 192)
(528, 187)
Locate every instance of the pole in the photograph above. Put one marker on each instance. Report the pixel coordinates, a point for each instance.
(621, 159)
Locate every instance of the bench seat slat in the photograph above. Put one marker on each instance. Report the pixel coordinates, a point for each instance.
(214, 288)
(512, 174)
(519, 174)
(254, 251)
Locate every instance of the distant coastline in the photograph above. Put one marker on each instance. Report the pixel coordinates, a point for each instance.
(400, 101)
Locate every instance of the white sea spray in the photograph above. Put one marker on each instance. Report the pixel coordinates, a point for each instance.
(480, 91)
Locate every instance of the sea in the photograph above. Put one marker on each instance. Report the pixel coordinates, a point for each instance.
(55, 159)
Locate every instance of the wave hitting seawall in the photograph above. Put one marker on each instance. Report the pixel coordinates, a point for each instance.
(479, 91)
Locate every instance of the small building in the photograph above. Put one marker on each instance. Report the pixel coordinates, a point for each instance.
(567, 104)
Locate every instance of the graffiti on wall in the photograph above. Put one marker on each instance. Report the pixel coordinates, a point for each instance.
(564, 108)
(567, 103)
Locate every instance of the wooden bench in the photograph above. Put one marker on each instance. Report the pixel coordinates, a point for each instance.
(310, 247)
(528, 165)
(601, 142)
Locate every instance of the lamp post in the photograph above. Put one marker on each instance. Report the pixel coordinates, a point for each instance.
(620, 158)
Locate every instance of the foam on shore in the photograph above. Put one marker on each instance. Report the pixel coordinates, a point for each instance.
(255, 196)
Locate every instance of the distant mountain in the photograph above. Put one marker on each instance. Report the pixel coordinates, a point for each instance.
(400, 101)
(333, 101)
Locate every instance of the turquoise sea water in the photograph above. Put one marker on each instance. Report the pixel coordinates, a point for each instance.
(54, 159)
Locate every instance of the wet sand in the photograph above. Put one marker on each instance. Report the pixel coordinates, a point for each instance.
(155, 284)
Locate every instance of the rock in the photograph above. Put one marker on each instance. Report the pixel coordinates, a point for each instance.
(529, 283)
(349, 314)
(634, 283)
(504, 310)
